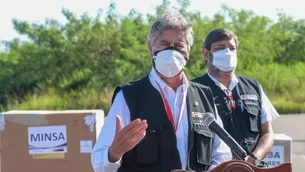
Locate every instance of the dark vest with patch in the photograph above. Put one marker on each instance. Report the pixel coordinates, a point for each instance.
(158, 152)
(243, 122)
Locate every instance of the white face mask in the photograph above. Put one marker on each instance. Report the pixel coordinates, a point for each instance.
(225, 60)
(169, 62)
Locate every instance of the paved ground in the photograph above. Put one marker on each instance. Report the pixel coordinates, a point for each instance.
(293, 126)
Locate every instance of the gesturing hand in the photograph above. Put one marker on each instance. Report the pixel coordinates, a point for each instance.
(126, 138)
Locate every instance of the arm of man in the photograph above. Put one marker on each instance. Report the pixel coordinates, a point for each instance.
(99, 155)
(221, 151)
(117, 137)
(266, 141)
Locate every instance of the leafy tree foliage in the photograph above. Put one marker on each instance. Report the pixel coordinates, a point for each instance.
(76, 65)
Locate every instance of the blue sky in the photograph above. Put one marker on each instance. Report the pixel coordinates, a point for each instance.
(38, 10)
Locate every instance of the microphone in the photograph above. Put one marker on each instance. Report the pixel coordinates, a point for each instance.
(209, 120)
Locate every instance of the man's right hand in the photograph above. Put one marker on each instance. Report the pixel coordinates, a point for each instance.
(126, 138)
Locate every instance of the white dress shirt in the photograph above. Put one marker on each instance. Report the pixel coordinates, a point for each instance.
(268, 111)
(99, 155)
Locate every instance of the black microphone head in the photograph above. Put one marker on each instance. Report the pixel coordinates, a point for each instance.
(208, 118)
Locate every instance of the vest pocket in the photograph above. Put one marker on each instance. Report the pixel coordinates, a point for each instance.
(203, 139)
(253, 109)
(148, 149)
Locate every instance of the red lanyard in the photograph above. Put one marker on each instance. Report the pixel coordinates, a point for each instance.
(169, 112)
(230, 98)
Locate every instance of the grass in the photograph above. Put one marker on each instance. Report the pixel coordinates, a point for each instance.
(83, 99)
(283, 84)
(91, 99)
(289, 103)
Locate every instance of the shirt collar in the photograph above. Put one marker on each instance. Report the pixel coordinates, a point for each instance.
(232, 85)
(155, 79)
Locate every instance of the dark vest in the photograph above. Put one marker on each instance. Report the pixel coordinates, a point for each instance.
(244, 122)
(158, 150)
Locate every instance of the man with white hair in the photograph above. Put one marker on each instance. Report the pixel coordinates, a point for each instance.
(158, 117)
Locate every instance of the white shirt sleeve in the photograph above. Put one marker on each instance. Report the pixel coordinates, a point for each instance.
(221, 151)
(269, 113)
(99, 155)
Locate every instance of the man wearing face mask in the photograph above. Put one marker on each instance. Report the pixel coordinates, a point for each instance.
(245, 110)
(155, 123)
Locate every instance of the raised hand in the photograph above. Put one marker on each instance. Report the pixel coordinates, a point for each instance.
(126, 138)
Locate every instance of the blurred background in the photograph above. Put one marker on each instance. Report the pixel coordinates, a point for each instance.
(65, 54)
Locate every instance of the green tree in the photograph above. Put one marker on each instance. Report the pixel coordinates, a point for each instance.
(76, 65)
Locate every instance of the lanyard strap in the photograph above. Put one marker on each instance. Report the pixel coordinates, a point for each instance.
(169, 111)
(230, 98)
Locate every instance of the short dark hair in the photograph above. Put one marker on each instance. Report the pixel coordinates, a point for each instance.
(219, 34)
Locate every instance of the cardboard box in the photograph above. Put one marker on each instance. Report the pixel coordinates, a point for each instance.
(48, 141)
(280, 152)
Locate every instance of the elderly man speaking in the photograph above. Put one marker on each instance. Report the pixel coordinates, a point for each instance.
(155, 123)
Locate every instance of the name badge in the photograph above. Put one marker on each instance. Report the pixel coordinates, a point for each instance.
(197, 115)
(197, 118)
(249, 97)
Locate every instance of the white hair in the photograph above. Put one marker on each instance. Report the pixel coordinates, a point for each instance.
(171, 20)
